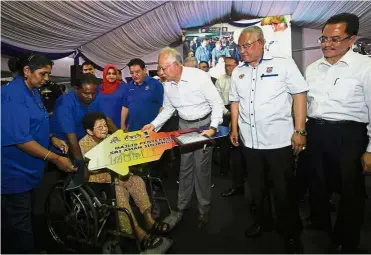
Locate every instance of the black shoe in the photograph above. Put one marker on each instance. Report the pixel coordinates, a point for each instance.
(202, 220)
(233, 191)
(254, 231)
(293, 246)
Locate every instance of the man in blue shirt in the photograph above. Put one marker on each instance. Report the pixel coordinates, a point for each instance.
(66, 122)
(143, 98)
(203, 52)
(217, 52)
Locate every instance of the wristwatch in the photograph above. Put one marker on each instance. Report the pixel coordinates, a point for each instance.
(301, 132)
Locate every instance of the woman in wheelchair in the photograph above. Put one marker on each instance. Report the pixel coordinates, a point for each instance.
(131, 185)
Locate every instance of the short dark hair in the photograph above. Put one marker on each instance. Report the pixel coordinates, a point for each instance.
(232, 58)
(137, 62)
(33, 61)
(86, 78)
(90, 118)
(207, 63)
(86, 63)
(351, 21)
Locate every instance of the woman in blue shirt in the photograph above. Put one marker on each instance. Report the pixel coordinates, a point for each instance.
(111, 94)
(24, 150)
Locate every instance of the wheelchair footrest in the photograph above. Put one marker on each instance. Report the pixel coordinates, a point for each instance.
(162, 249)
(172, 219)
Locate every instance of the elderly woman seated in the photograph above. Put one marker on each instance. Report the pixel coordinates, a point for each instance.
(131, 185)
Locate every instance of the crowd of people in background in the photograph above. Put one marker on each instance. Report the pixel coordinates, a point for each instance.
(210, 49)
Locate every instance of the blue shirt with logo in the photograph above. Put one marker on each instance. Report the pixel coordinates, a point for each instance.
(143, 101)
(23, 119)
(68, 115)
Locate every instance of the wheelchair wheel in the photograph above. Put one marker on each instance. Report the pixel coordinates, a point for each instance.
(111, 247)
(70, 216)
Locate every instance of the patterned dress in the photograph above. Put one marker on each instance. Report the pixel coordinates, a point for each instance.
(126, 186)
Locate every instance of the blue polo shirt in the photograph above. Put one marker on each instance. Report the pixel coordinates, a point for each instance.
(68, 115)
(23, 119)
(111, 104)
(143, 101)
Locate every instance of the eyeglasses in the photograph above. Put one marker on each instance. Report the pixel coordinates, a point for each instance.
(164, 68)
(101, 127)
(246, 46)
(324, 39)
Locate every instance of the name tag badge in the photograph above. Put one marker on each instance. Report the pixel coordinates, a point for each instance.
(147, 87)
(241, 76)
(269, 69)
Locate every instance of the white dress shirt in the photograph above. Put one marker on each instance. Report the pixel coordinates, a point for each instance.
(194, 96)
(265, 101)
(341, 91)
(223, 85)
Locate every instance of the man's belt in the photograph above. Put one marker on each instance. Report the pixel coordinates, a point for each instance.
(334, 122)
(198, 120)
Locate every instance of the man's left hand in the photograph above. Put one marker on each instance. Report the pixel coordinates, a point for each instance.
(60, 144)
(298, 143)
(210, 132)
(366, 162)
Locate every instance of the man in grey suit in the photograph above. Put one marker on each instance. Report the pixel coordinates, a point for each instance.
(190, 92)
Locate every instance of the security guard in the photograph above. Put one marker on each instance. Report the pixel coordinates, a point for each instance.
(261, 94)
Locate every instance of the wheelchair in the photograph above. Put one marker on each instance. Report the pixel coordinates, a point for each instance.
(82, 216)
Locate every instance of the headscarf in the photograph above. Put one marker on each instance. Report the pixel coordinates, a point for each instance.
(109, 87)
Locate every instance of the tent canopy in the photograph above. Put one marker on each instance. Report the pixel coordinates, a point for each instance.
(117, 31)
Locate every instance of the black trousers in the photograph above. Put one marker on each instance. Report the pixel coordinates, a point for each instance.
(334, 154)
(277, 165)
(237, 166)
(16, 223)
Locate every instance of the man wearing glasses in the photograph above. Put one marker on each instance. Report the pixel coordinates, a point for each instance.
(191, 92)
(261, 97)
(339, 150)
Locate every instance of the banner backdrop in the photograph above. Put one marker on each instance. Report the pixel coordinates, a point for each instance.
(276, 29)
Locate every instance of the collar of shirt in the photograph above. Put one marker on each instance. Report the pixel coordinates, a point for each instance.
(183, 78)
(20, 79)
(76, 99)
(144, 81)
(346, 60)
(265, 57)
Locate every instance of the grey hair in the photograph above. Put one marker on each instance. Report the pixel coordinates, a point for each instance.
(256, 30)
(172, 52)
(191, 59)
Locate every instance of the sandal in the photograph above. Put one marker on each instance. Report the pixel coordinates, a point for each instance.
(160, 227)
(150, 242)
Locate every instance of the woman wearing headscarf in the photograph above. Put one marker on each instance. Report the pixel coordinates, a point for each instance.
(111, 96)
